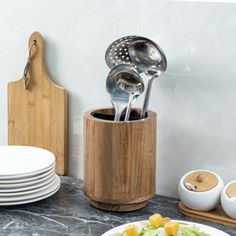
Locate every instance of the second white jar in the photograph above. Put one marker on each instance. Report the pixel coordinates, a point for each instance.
(200, 190)
(228, 199)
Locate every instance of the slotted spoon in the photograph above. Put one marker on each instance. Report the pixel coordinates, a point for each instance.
(123, 85)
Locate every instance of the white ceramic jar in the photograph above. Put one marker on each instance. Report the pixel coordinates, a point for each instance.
(200, 190)
(228, 199)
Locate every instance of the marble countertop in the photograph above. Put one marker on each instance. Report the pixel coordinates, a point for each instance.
(68, 212)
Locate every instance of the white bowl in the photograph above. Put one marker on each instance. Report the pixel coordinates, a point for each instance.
(228, 204)
(201, 201)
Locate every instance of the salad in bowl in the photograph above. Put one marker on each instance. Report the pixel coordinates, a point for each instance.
(161, 226)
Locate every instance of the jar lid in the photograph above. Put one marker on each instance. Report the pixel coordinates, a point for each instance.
(231, 190)
(200, 181)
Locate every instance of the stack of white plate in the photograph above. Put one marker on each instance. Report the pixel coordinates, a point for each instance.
(27, 174)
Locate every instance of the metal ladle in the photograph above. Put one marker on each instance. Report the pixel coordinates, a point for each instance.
(150, 59)
(133, 86)
(144, 54)
(123, 85)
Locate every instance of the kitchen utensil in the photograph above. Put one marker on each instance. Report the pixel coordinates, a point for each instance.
(119, 161)
(144, 54)
(118, 52)
(149, 58)
(131, 99)
(200, 190)
(37, 108)
(132, 83)
(207, 229)
(122, 81)
(216, 215)
(228, 199)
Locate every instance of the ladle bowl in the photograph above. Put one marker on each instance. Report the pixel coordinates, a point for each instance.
(123, 85)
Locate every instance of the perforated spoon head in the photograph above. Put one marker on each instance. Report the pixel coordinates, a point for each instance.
(123, 80)
(118, 53)
(130, 82)
(145, 55)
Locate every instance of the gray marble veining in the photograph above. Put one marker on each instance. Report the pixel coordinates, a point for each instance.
(68, 212)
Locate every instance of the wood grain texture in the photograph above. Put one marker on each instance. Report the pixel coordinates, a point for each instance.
(118, 207)
(231, 190)
(201, 180)
(119, 161)
(217, 215)
(38, 116)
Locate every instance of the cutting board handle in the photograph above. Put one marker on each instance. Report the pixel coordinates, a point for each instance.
(37, 69)
(37, 52)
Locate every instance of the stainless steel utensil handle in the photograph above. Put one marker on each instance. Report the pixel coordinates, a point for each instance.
(117, 116)
(128, 109)
(119, 108)
(147, 96)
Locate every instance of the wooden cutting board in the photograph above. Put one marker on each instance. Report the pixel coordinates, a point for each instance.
(37, 115)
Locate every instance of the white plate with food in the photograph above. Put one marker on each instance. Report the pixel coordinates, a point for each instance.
(24, 161)
(159, 226)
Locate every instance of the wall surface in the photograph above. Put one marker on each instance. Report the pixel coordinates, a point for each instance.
(195, 99)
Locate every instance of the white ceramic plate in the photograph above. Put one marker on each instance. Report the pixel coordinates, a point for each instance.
(45, 192)
(47, 172)
(207, 229)
(17, 187)
(23, 161)
(32, 199)
(27, 192)
(30, 187)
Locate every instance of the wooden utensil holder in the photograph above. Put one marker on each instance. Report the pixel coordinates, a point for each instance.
(119, 161)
